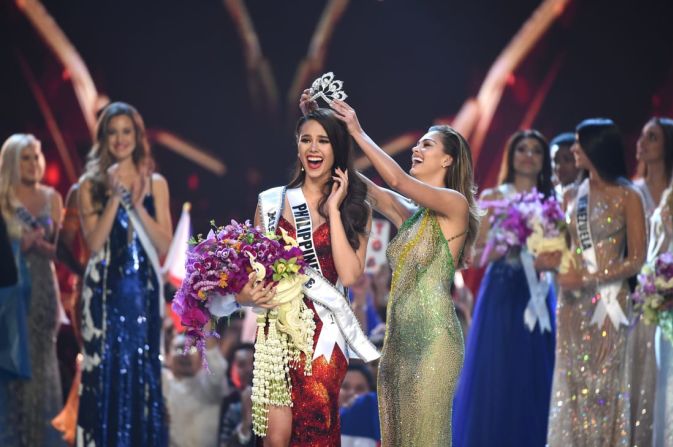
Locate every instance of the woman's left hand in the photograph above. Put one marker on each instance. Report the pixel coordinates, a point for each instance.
(346, 114)
(339, 190)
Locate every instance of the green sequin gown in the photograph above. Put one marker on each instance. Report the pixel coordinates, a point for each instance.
(423, 350)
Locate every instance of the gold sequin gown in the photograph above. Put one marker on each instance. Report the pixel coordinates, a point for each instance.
(423, 349)
(590, 403)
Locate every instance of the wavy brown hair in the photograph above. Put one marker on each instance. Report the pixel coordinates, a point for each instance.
(354, 210)
(460, 177)
(100, 158)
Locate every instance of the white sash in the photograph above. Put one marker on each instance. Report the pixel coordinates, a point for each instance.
(536, 309)
(339, 323)
(608, 305)
(146, 243)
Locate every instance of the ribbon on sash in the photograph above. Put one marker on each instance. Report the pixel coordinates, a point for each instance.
(146, 243)
(339, 323)
(536, 310)
(608, 304)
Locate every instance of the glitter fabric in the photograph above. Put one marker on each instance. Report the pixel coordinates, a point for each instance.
(315, 398)
(641, 354)
(590, 403)
(423, 348)
(39, 400)
(661, 240)
(120, 400)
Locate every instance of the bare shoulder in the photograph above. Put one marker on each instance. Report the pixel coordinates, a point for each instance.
(159, 184)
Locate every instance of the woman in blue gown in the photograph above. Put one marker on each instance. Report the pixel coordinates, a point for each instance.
(126, 224)
(504, 389)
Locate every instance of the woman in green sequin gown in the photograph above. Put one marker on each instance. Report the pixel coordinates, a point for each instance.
(423, 348)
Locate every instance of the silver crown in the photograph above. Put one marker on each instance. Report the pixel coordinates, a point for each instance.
(327, 88)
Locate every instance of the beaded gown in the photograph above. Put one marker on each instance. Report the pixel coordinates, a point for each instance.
(661, 240)
(503, 393)
(40, 398)
(423, 349)
(315, 398)
(120, 399)
(641, 357)
(590, 395)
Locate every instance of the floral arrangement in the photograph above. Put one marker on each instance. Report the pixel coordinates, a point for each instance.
(654, 293)
(217, 268)
(527, 220)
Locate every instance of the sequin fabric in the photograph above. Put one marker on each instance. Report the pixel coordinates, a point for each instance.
(661, 240)
(39, 400)
(424, 348)
(120, 399)
(642, 357)
(590, 403)
(315, 398)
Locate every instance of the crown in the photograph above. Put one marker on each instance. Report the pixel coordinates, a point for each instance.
(327, 88)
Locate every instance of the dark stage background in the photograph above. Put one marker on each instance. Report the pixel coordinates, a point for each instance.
(405, 64)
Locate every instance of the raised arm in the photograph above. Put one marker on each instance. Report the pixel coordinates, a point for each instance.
(395, 207)
(445, 201)
(349, 263)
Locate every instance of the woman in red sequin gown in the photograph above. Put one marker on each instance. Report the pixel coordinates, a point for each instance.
(340, 222)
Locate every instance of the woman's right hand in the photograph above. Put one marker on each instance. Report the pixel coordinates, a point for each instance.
(30, 237)
(256, 294)
(306, 105)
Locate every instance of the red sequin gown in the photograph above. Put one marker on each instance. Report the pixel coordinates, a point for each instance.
(315, 411)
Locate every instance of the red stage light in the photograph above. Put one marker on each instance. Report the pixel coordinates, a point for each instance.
(193, 182)
(52, 174)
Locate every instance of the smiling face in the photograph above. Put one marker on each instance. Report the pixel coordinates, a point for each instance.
(428, 158)
(528, 157)
(121, 137)
(650, 146)
(315, 151)
(354, 384)
(31, 164)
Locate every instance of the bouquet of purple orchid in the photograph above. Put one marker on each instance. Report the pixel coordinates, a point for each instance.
(220, 265)
(514, 222)
(654, 294)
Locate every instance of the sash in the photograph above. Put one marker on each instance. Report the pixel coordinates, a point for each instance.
(536, 310)
(607, 305)
(339, 324)
(146, 243)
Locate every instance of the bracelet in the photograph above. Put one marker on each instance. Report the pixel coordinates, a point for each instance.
(356, 306)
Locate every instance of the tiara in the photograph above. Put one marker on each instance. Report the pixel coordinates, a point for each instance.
(327, 88)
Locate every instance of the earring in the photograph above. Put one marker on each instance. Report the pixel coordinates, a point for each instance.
(302, 168)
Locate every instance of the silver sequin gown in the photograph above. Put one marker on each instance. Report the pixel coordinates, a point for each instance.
(661, 240)
(590, 404)
(641, 357)
(40, 399)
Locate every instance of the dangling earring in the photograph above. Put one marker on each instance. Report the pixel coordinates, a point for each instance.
(302, 168)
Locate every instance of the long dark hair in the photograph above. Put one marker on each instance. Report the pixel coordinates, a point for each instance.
(544, 182)
(100, 159)
(666, 126)
(603, 145)
(354, 210)
(460, 177)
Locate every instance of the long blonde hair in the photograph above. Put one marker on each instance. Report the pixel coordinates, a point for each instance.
(10, 170)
